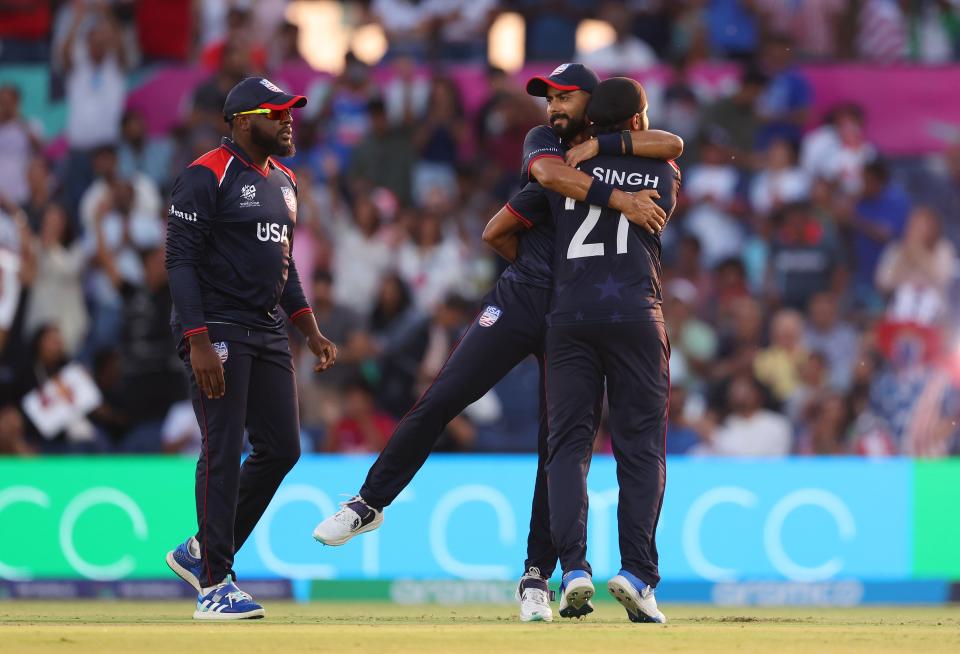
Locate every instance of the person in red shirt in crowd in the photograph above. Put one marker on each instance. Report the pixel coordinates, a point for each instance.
(363, 427)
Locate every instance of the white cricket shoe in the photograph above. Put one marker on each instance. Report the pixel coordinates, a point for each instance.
(576, 591)
(636, 597)
(354, 517)
(534, 596)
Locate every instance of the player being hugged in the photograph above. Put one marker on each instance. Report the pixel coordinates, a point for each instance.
(232, 277)
(606, 329)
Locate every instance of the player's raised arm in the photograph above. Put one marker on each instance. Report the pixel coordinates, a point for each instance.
(652, 143)
(526, 209)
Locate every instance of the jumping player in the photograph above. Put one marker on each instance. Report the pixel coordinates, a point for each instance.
(606, 325)
(510, 328)
(228, 255)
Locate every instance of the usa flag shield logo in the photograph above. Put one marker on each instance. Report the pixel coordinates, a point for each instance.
(291, 199)
(490, 315)
(220, 347)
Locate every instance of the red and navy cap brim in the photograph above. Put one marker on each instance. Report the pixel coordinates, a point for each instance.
(285, 102)
(537, 86)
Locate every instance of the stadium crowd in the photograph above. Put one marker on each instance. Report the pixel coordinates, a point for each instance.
(809, 281)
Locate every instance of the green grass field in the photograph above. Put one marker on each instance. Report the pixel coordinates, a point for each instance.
(154, 627)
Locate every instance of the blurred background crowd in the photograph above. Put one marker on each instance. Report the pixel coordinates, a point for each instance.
(809, 275)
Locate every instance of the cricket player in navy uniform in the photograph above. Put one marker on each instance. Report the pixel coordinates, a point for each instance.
(233, 280)
(606, 328)
(509, 328)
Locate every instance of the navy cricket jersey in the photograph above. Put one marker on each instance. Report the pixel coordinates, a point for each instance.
(534, 262)
(229, 241)
(606, 269)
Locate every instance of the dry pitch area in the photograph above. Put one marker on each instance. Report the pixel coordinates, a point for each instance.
(153, 627)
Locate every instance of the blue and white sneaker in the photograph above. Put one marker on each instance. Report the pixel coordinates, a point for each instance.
(185, 565)
(227, 602)
(576, 591)
(355, 517)
(636, 597)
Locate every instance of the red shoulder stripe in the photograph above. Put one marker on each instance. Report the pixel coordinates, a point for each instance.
(285, 170)
(523, 220)
(675, 166)
(216, 160)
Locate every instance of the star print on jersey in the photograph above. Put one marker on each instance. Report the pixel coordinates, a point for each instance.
(609, 288)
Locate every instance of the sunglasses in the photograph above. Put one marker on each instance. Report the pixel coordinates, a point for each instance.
(271, 114)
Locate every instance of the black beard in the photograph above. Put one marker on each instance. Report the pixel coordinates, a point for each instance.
(271, 145)
(574, 127)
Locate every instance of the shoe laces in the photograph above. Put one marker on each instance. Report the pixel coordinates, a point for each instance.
(342, 515)
(534, 596)
(239, 596)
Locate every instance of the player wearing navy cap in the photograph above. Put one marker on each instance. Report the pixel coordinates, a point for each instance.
(509, 328)
(606, 329)
(233, 280)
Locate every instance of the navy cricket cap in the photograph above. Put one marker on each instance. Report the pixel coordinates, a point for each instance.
(616, 100)
(565, 77)
(257, 93)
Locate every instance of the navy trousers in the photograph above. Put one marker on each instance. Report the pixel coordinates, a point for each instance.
(261, 396)
(509, 328)
(633, 360)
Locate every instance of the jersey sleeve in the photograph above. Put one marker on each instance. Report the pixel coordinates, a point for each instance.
(189, 220)
(530, 206)
(540, 142)
(292, 300)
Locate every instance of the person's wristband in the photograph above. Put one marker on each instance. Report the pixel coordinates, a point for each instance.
(599, 193)
(627, 140)
(609, 144)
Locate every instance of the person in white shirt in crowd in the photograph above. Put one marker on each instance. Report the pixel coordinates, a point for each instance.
(96, 89)
(19, 141)
(780, 181)
(836, 339)
(362, 254)
(431, 262)
(711, 188)
(917, 271)
(838, 150)
(56, 296)
(750, 429)
(145, 199)
(627, 52)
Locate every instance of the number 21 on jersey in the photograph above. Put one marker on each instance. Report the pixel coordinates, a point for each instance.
(579, 246)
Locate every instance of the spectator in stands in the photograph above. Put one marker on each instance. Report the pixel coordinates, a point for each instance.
(239, 34)
(693, 342)
(17, 267)
(917, 271)
(733, 29)
(689, 267)
(285, 47)
(139, 152)
(321, 396)
(19, 141)
(804, 257)
(815, 26)
(439, 140)
(749, 429)
(56, 295)
(40, 183)
(812, 385)
(780, 181)
(363, 428)
(683, 436)
(407, 25)
(384, 157)
(627, 52)
(551, 27)
(344, 103)
(938, 186)
(13, 435)
(934, 38)
(881, 31)
(362, 254)
(836, 339)
(732, 121)
(460, 28)
(430, 262)
(502, 123)
(785, 104)
(778, 366)
(825, 429)
(406, 94)
(740, 339)
(209, 96)
(838, 150)
(144, 198)
(711, 188)
(181, 432)
(878, 218)
(95, 65)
